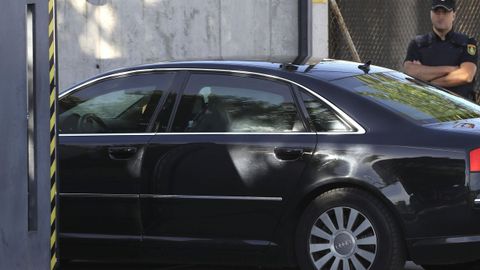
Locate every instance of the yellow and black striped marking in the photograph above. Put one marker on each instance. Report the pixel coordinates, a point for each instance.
(53, 137)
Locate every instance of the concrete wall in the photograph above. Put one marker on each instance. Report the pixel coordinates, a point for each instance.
(19, 247)
(99, 35)
(320, 30)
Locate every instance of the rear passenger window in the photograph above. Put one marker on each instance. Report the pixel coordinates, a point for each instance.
(323, 117)
(230, 103)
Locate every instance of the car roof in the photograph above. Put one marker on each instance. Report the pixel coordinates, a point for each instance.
(325, 70)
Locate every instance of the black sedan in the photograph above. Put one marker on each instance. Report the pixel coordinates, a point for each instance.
(335, 166)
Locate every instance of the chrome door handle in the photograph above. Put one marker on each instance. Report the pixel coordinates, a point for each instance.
(124, 152)
(287, 153)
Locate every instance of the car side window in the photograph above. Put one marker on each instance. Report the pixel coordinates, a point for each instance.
(236, 103)
(120, 105)
(324, 118)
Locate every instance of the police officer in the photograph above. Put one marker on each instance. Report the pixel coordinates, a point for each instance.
(443, 57)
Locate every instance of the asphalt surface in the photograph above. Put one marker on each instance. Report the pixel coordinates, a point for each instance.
(85, 266)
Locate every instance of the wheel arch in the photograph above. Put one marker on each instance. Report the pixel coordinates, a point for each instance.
(297, 210)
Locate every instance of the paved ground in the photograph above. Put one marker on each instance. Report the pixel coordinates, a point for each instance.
(85, 266)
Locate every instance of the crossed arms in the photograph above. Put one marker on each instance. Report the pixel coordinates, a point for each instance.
(444, 76)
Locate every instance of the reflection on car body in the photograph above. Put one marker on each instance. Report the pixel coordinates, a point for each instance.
(325, 167)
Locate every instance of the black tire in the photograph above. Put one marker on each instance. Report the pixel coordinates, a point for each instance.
(459, 266)
(382, 237)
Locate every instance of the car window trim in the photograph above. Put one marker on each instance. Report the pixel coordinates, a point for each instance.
(298, 106)
(178, 98)
(105, 134)
(359, 129)
(178, 80)
(347, 124)
(201, 133)
(303, 109)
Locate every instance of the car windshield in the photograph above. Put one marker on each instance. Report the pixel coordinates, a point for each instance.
(414, 99)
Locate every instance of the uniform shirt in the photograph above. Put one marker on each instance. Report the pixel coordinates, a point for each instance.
(456, 49)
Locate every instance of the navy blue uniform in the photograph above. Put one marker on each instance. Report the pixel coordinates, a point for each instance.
(456, 49)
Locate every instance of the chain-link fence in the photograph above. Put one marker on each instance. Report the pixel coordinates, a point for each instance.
(382, 29)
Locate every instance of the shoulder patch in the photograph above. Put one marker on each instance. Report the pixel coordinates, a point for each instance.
(471, 49)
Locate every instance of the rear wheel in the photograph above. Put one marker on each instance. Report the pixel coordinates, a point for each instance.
(348, 229)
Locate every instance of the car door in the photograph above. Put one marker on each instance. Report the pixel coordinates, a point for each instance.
(235, 148)
(104, 129)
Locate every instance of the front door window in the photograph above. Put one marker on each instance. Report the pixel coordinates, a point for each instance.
(123, 105)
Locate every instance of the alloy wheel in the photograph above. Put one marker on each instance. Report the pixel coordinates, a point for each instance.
(342, 238)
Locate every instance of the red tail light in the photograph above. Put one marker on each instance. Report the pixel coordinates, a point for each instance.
(475, 160)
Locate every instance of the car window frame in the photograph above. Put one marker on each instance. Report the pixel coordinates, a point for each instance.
(311, 123)
(360, 130)
(179, 82)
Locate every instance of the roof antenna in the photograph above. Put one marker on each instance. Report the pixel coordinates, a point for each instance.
(310, 67)
(289, 67)
(365, 67)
